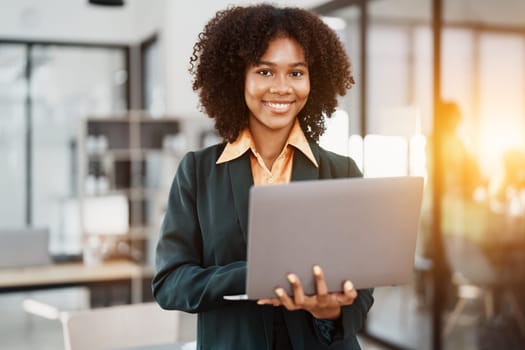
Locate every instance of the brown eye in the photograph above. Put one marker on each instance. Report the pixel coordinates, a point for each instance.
(264, 72)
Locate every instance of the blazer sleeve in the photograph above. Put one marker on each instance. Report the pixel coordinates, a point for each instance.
(353, 316)
(181, 280)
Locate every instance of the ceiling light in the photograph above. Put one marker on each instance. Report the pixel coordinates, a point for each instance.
(107, 2)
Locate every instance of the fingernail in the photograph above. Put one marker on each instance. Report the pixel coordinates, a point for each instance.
(292, 278)
(349, 285)
(317, 270)
(260, 302)
(279, 292)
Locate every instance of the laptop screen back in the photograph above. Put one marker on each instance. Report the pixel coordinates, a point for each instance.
(24, 247)
(363, 230)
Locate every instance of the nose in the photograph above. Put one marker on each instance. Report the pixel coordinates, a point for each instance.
(281, 86)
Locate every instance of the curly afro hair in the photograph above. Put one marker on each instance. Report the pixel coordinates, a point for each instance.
(236, 38)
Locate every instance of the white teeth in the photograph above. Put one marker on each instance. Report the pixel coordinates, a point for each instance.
(281, 106)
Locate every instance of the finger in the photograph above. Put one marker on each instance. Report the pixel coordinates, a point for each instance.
(322, 288)
(349, 290)
(350, 293)
(285, 300)
(298, 293)
(272, 301)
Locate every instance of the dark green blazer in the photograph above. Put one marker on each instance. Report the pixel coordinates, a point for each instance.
(201, 255)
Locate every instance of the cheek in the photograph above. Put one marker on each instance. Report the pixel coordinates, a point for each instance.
(305, 91)
(251, 89)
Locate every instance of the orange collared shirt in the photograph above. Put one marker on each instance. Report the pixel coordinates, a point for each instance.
(281, 171)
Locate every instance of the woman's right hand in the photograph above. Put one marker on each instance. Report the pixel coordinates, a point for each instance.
(322, 305)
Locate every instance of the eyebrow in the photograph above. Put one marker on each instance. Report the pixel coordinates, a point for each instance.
(271, 64)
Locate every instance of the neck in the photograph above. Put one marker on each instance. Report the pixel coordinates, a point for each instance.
(269, 143)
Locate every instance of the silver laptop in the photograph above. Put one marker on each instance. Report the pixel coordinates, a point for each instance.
(358, 229)
(24, 247)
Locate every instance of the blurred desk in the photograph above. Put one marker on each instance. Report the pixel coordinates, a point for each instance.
(76, 274)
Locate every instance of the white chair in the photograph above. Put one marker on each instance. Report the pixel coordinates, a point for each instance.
(120, 326)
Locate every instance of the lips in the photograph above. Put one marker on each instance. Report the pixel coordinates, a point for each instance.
(278, 107)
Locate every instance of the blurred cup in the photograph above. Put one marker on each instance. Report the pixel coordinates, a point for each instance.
(92, 251)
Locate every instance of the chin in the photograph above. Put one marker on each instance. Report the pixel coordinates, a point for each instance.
(280, 124)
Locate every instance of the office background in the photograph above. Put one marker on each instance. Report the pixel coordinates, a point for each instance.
(96, 109)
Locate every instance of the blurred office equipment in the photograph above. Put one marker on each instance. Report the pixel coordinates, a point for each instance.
(117, 327)
(24, 247)
(66, 243)
(104, 220)
(105, 215)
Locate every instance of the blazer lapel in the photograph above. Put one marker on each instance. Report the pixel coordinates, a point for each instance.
(303, 169)
(241, 180)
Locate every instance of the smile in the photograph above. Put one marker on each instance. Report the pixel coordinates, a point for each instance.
(278, 106)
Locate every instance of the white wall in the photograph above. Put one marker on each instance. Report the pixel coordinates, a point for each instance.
(59, 20)
(149, 17)
(78, 21)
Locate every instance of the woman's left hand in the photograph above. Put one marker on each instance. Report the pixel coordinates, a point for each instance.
(321, 305)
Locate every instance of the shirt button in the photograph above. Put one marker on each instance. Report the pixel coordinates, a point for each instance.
(270, 180)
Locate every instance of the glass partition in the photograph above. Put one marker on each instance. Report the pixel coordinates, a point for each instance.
(399, 103)
(484, 189)
(13, 128)
(153, 77)
(45, 91)
(67, 84)
(346, 24)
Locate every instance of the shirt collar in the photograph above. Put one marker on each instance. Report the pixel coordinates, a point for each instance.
(244, 142)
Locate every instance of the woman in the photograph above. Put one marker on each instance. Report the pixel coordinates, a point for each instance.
(266, 75)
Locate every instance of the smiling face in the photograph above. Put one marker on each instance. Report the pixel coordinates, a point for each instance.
(277, 87)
